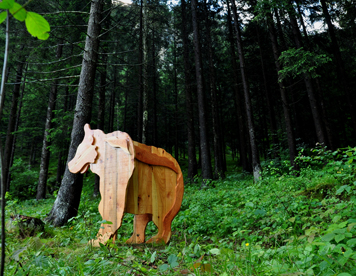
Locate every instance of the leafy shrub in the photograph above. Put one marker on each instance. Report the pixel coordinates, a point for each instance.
(24, 180)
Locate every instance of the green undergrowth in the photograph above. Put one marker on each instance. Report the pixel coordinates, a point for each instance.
(289, 223)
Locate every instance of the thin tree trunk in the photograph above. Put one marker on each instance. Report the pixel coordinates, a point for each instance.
(101, 113)
(2, 183)
(270, 110)
(154, 90)
(341, 73)
(176, 152)
(16, 128)
(45, 154)
(112, 104)
(282, 89)
(204, 141)
(218, 152)
(145, 73)
(192, 159)
(140, 78)
(320, 94)
(63, 145)
(256, 167)
(238, 100)
(318, 123)
(68, 199)
(12, 118)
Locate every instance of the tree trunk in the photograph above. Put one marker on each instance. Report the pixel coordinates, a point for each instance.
(45, 154)
(16, 128)
(12, 119)
(218, 152)
(256, 167)
(282, 89)
(145, 73)
(318, 123)
(101, 112)
(204, 141)
(60, 167)
(140, 79)
(176, 139)
(112, 104)
(270, 110)
(238, 100)
(341, 73)
(192, 159)
(154, 90)
(68, 199)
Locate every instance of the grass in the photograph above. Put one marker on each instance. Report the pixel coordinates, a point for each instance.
(282, 225)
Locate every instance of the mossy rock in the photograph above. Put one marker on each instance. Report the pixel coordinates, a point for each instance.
(320, 191)
(25, 226)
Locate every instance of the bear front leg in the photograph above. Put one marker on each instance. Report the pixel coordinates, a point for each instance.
(139, 227)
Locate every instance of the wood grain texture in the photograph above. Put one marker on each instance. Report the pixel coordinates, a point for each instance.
(134, 178)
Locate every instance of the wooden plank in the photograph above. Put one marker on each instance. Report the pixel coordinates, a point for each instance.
(146, 155)
(144, 196)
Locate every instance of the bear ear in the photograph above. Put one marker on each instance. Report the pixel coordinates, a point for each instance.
(119, 143)
(88, 135)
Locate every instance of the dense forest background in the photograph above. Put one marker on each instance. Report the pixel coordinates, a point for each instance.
(259, 80)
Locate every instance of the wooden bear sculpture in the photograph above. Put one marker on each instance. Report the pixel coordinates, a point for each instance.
(134, 178)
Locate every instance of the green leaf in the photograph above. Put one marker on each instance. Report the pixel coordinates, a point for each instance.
(37, 25)
(163, 267)
(348, 253)
(350, 226)
(343, 188)
(351, 242)
(339, 238)
(6, 4)
(17, 253)
(18, 12)
(328, 237)
(3, 16)
(153, 257)
(344, 274)
(215, 251)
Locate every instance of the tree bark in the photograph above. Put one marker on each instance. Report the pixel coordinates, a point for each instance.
(45, 154)
(16, 128)
(68, 199)
(204, 141)
(270, 110)
(341, 73)
(63, 146)
(192, 159)
(154, 90)
(145, 73)
(218, 152)
(12, 119)
(140, 78)
(242, 145)
(112, 104)
(256, 167)
(318, 123)
(101, 113)
(282, 89)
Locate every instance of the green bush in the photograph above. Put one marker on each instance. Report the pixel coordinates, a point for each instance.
(24, 180)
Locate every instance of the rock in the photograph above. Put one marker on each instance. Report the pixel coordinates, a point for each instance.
(25, 225)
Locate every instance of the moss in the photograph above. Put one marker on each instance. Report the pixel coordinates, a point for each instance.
(319, 191)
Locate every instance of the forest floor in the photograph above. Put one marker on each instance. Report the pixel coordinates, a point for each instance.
(285, 224)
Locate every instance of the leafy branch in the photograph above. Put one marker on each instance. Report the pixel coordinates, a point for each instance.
(36, 24)
(299, 61)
